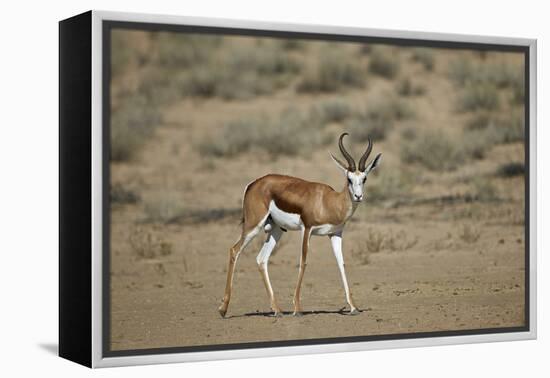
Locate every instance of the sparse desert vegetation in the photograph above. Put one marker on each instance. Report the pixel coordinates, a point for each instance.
(332, 74)
(288, 134)
(434, 150)
(469, 234)
(196, 117)
(511, 169)
(148, 245)
(425, 57)
(164, 207)
(383, 63)
(376, 241)
(379, 118)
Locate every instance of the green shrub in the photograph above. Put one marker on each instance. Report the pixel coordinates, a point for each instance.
(506, 129)
(518, 91)
(498, 128)
(267, 60)
(424, 56)
(383, 63)
(194, 66)
(131, 124)
(290, 134)
(479, 97)
(406, 87)
(236, 137)
(513, 128)
(463, 72)
(366, 49)
(479, 121)
(158, 88)
(378, 119)
(124, 54)
(163, 208)
(362, 129)
(178, 50)
(483, 190)
(409, 133)
(392, 184)
(291, 44)
(373, 124)
(500, 74)
(475, 144)
(333, 74)
(120, 195)
(511, 169)
(331, 111)
(434, 150)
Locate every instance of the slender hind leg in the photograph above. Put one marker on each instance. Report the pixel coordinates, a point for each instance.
(263, 260)
(234, 252)
(336, 242)
(305, 245)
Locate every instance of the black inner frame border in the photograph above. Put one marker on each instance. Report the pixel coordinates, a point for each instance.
(109, 25)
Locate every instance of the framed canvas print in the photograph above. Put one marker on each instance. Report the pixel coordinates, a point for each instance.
(233, 189)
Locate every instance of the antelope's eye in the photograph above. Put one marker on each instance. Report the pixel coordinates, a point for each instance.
(364, 179)
(349, 180)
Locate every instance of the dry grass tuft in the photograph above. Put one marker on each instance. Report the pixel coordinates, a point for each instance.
(147, 245)
(399, 241)
(120, 195)
(163, 208)
(483, 190)
(376, 241)
(469, 234)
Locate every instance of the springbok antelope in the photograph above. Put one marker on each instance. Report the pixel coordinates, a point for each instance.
(278, 203)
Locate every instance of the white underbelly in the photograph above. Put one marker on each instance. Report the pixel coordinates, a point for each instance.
(288, 221)
(326, 229)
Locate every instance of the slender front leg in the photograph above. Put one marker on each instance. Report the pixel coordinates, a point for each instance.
(263, 261)
(336, 241)
(234, 253)
(305, 245)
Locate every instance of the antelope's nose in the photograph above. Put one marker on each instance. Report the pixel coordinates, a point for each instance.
(358, 197)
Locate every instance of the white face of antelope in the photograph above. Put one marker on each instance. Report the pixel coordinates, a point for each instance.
(356, 182)
(356, 178)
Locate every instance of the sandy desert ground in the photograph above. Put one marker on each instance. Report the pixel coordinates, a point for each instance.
(437, 245)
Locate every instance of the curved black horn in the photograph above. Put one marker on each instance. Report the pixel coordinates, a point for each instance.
(349, 159)
(365, 156)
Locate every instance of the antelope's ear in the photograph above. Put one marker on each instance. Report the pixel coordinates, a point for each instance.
(374, 163)
(337, 161)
